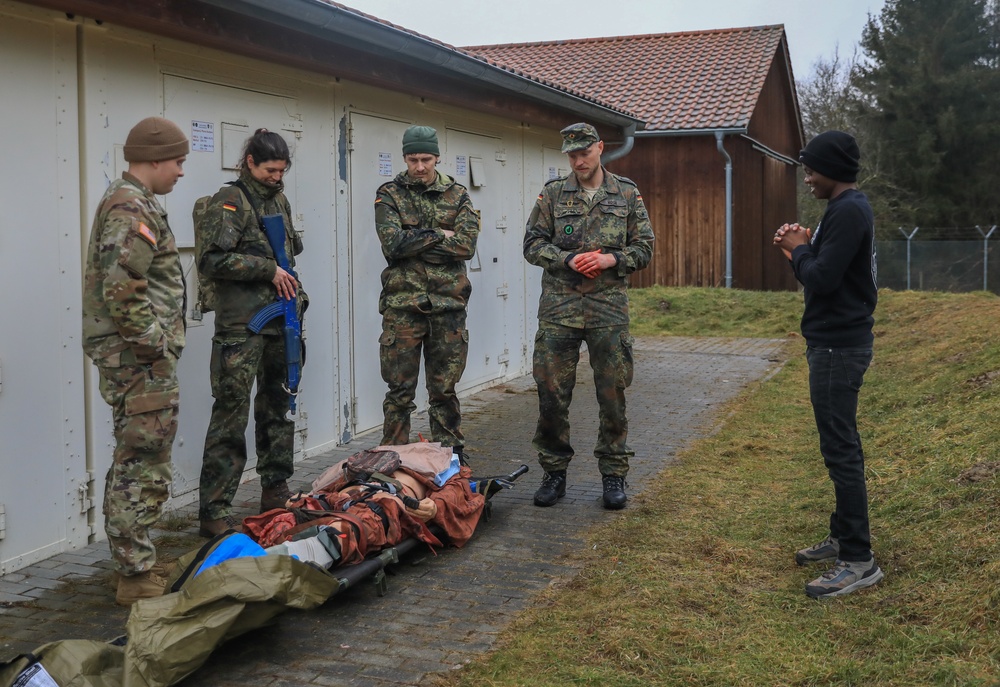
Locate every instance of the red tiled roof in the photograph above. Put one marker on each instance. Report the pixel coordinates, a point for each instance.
(672, 81)
(588, 96)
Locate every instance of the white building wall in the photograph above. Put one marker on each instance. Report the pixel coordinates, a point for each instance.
(80, 88)
(42, 405)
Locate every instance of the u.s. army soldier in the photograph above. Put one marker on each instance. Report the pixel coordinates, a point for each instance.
(133, 330)
(588, 231)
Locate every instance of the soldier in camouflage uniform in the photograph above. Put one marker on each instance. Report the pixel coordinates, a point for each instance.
(428, 230)
(588, 231)
(133, 330)
(243, 276)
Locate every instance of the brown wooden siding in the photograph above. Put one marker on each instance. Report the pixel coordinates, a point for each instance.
(683, 181)
(775, 120)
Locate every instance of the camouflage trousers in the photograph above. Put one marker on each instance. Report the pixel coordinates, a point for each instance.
(444, 342)
(144, 399)
(555, 359)
(236, 363)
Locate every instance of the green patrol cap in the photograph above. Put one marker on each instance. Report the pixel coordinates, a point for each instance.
(578, 137)
(420, 139)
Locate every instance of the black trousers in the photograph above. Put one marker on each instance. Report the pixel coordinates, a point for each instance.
(835, 378)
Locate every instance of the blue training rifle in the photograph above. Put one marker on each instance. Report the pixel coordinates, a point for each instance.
(274, 229)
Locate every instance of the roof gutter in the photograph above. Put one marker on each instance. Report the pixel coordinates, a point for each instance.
(624, 149)
(711, 131)
(331, 22)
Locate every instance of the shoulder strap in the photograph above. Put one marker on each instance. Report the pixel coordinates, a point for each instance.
(246, 192)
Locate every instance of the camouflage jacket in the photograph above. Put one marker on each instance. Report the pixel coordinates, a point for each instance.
(133, 284)
(236, 256)
(426, 270)
(564, 223)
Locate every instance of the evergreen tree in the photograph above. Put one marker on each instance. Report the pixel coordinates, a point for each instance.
(829, 100)
(929, 93)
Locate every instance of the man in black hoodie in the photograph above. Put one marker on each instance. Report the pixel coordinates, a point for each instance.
(836, 266)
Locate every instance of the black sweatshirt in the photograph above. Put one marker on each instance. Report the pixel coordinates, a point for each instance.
(837, 269)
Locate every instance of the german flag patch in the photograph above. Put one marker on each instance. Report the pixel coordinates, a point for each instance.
(147, 234)
(229, 206)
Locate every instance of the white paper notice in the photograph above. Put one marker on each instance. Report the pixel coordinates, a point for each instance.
(461, 165)
(385, 164)
(203, 136)
(34, 676)
(552, 173)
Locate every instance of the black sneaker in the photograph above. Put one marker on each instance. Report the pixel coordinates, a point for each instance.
(553, 488)
(845, 577)
(614, 492)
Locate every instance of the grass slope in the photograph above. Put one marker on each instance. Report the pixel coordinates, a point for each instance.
(695, 584)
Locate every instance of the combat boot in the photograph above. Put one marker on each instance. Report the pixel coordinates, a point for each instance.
(614, 492)
(552, 489)
(213, 528)
(144, 585)
(164, 570)
(274, 496)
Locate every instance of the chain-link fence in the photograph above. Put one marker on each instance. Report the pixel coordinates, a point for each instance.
(940, 260)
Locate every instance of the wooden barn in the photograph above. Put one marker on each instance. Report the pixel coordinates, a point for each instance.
(722, 132)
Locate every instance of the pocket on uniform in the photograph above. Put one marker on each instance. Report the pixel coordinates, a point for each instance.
(150, 401)
(626, 367)
(138, 249)
(387, 338)
(612, 206)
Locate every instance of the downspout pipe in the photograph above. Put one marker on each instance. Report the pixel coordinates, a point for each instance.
(624, 149)
(729, 209)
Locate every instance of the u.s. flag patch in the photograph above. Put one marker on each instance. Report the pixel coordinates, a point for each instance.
(147, 234)
(229, 206)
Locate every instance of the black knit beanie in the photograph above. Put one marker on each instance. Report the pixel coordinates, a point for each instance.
(833, 154)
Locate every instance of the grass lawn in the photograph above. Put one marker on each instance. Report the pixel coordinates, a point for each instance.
(698, 585)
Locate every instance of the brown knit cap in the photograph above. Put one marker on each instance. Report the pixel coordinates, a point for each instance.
(155, 139)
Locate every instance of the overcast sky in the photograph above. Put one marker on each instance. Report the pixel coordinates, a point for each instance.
(815, 28)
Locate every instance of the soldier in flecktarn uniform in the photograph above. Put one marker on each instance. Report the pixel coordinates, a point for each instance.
(588, 231)
(236, 261)
(428, 230)
(133, 330)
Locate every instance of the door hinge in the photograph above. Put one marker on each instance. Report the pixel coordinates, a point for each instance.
(83, 489)
(502, 291)
(502, 223)
(3, 521)
(504, 357)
